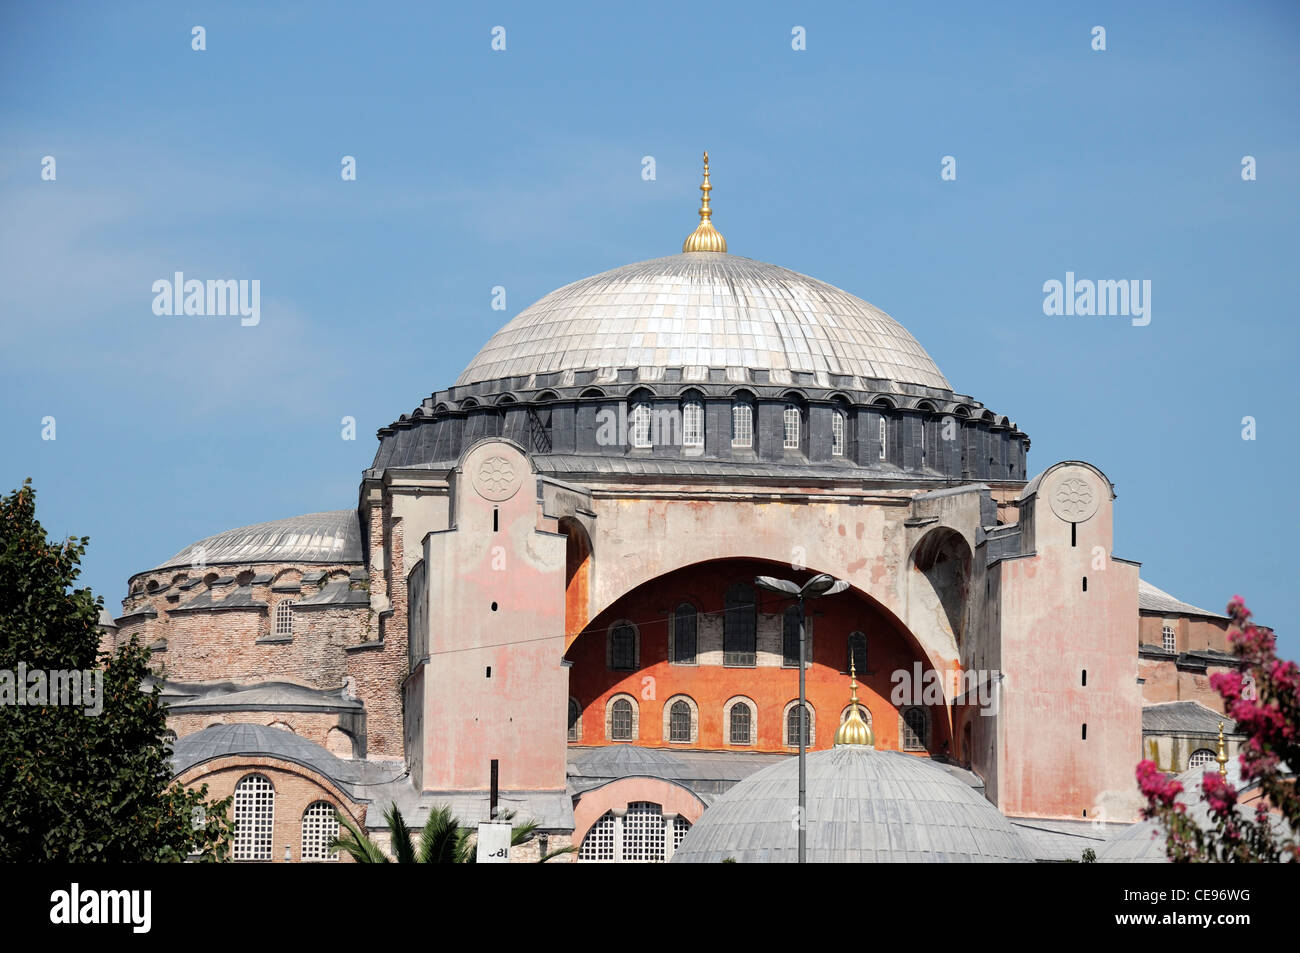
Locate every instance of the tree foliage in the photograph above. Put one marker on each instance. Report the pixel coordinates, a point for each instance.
(1266, 708)
(76, 786)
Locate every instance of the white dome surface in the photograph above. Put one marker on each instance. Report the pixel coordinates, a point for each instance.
(864, 806)
(702, 310)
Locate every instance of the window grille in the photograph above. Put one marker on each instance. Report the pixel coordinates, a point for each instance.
(319, 827)
(742, 424)
(254, 818)
(599, 842)
(791, 427)
(620, 721)
(692, 424)
(643, 832)
(740, 724)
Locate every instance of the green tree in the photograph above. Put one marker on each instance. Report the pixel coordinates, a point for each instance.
(442, 840)
(76, 786)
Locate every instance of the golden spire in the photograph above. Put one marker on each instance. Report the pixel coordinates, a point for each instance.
(705, 237)
(1222, 755)
(855, 730)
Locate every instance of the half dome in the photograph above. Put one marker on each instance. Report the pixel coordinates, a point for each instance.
(705, 309)
(864, 806)
(330, 537)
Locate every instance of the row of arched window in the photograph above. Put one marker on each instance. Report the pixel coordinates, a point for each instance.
(681, 723)
(739, 637)
(641, 834)
(255, 823)
(642, 432)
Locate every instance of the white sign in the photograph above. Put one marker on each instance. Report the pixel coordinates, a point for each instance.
(493, 843)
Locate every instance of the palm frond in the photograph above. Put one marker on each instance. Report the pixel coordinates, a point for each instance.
(356, 844)
(400, 835)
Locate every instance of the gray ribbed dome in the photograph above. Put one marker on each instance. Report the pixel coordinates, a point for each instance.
(864, 806)
(330, 537)
(705, 309)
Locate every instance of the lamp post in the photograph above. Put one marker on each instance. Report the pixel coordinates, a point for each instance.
(822, 584)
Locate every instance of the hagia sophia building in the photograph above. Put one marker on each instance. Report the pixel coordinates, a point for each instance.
(549, 574)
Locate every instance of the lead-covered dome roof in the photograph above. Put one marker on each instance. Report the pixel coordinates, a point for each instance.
(333, 536)
(705, 310)
(864, 806)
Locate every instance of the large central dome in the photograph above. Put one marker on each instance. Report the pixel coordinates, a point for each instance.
(705, 310)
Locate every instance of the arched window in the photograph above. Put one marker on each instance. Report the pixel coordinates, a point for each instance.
(681, 827)
(639, 424)
(915, 729)
(599, 842)
(857, 653)
(1201, 758)
(791, 428)
(742, 424)
(837, 433)
(792, 725)
(679, 719)
(254, 818)
(319, 827)
(620, 720)
(740, 723)
(643, 832)
(575, 720)
(692, 423)
(284, 619)
(884, 437)
(1168, 639)
(790, 637)
(739, 626)
(685, 627)
(622, 647)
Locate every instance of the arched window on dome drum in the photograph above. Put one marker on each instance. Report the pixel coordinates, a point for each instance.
(599, 842)
(792, 726)
(319, 827)
(790, 637)
(1201, 758)
(620, 720)
(284, 619)
(837, 433)
(639, 425)
(685, 626)
(857, 653)
(742, 424)
(679, 721)
(739, 626)
(622, 650)
(791, 428)
(692, 423)
(739, 728)
(1167, 638)
(254, 818)
(575, 720)
(916, 729)
(884, 438)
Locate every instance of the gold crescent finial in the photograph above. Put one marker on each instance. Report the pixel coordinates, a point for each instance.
(705, 237)
(855, 730)
(1222, 754)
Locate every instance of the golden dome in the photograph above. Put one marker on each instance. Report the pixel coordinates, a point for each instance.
(855, 730)
(705, 237)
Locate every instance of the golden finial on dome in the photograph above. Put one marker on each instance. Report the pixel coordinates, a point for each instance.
(705, 237)
(855, 730)
(1222, 755)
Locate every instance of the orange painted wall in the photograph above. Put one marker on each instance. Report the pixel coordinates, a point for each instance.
(771, 687)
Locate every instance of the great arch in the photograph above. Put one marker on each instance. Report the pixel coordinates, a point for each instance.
(665, 664)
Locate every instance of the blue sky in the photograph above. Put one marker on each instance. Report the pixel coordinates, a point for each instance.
(522, 168)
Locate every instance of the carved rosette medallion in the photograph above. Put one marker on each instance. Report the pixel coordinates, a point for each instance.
(1074, 498)
(497, 479)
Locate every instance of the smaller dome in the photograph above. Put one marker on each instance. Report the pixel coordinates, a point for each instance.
(329, 537)
(864, 806)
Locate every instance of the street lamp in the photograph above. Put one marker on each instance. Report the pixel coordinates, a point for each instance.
(823, 584)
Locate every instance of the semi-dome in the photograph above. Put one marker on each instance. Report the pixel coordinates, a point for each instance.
(864, 806)
(330, 537)
(707, 310)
